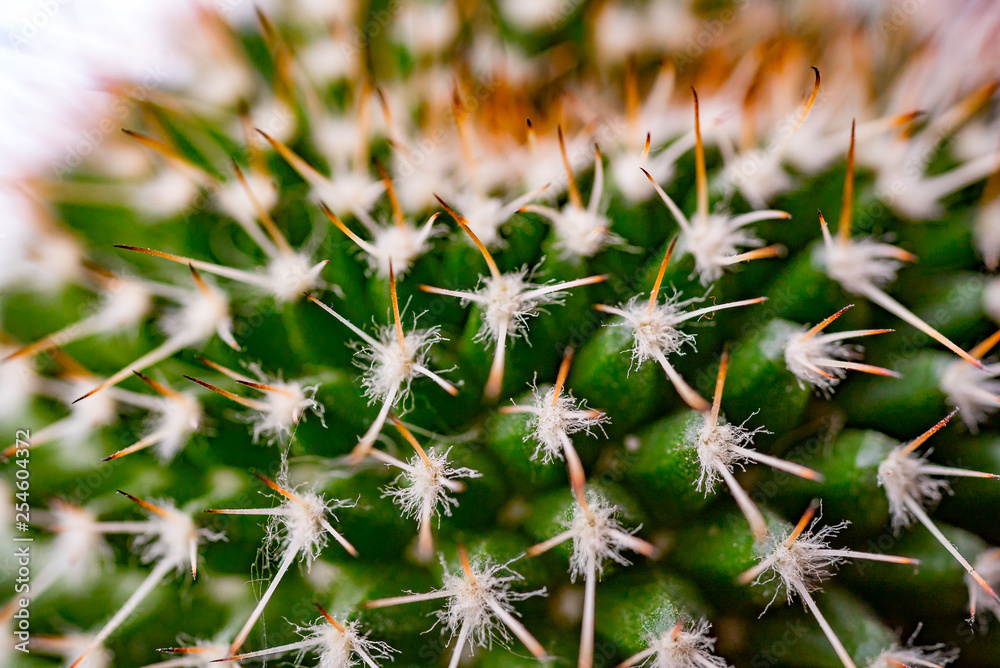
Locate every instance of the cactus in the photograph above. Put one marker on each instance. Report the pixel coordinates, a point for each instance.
(344, 286)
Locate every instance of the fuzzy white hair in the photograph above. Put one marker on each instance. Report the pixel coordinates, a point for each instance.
(232, 199)
(508, 306)
(991, 299)
(425, 486)
(341, 649)
(473, 602)
(77, 551)
(860, 263)
(931, 655)
(200, 315)
(400, 246)
(986, 233)
(285, 409)
(18, 383)
(972, 391)
(300, 523)
(348, 191)
(690, 646)
(803, 565)
(388, 368)
(171, 536)
(289, 275)
(716, 241)
(718, 448)
(988, 566)
(582, 233)
(655, 331)
(597, 536)
(177, 418)
(904, 482)
(123, 306)
(805, 356)
(554, 418)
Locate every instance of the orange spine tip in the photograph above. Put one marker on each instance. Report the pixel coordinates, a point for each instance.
(920, 440)
(803, 522)
(816, 329)
(574, 192)
(156, 510)
(276, 487)
(659, 276)
(847, 199)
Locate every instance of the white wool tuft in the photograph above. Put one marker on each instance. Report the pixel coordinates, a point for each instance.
(901, 476)
(171, 536)
(860, 263)
(717, 448)
(83, 419)
(597, 536)
(418, 175)
(427, 486)
(77, 551)
(713, 242)
(509, 306)
(199, 316)
(551, 422)
(337, 138)
(691, 647)
(298, 524)
(972, 391)
(471, 602)
(655, 333)
(581, 232)
(220, 82)
(78, 548)
(803, 356)
(51, 261)
(166, 194)
(624, 171)
(348, 192)
(124, 305)
(426, 28)
(274, 116)
(932, 655)
(400, 245)
(803, 565)
(233, 200)
(285, 409)
(987, 233)
(390, 369)
(616, 30)
(330, 60)
(71, 646)
(292, 274)
(18, 384)
(991, 299)
(988, 566)
(341, 649)
(485, 216)
(178, 418)
(759, 174)
(531, 15)
(718, 239)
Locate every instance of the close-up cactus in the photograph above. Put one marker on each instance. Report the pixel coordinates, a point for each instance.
(446, 333)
